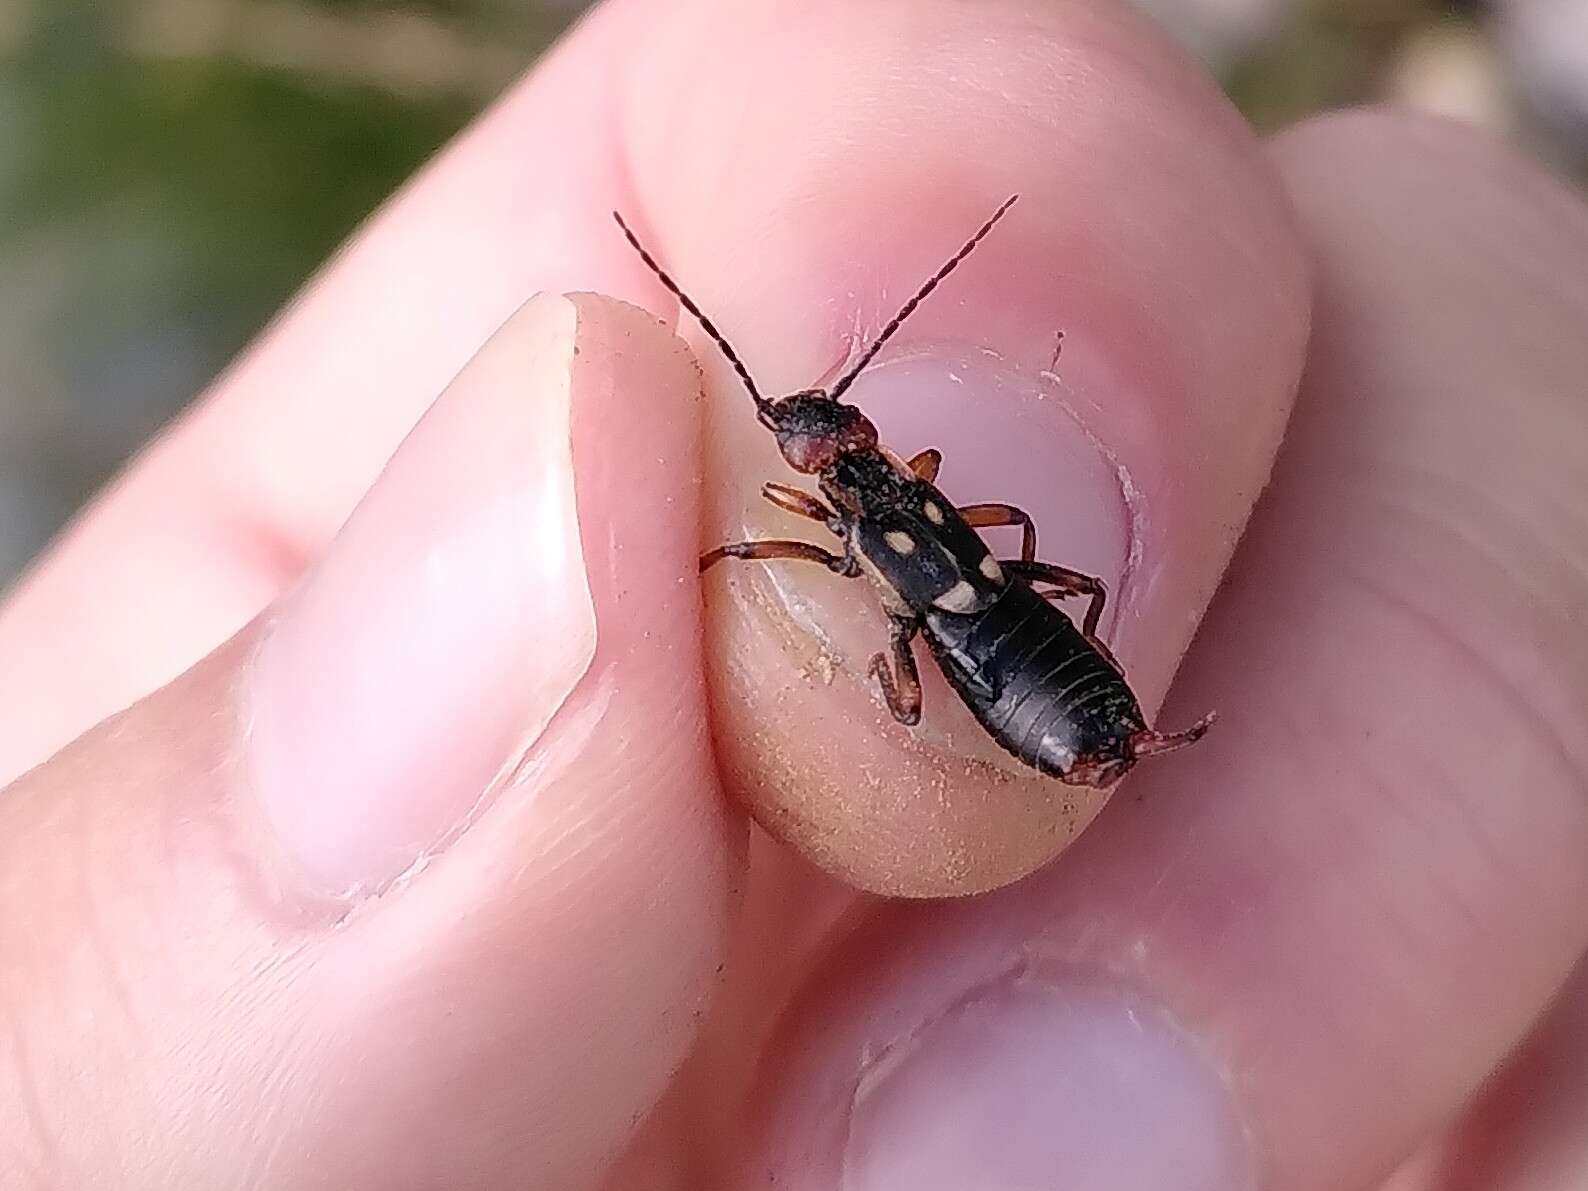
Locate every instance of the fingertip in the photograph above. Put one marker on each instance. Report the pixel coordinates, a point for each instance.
(1149, 235)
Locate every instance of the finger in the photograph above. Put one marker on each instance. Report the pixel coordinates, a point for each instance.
(1300, 951)
(1148, 231)
(1529, 1129)
(422, 880)
(226, 509)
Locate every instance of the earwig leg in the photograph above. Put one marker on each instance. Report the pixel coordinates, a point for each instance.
(1071, 583)
(801, 504)
(925, 464)
(991, 516)
(901, 687)
(1067, 583)
(840, 564)
(1148, 743)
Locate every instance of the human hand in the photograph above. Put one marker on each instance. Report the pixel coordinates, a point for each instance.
(266, 927)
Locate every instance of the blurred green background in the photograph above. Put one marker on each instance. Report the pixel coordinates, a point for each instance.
(171, 170)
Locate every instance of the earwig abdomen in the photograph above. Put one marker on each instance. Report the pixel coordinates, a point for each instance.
(1032, 680)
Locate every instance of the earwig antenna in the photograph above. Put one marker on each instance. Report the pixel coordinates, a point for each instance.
(688, 304)
(869, 354)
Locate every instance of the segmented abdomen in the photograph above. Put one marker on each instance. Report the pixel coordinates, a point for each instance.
(1033, 681)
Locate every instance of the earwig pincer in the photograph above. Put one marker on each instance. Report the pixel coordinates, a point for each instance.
(1048, 691)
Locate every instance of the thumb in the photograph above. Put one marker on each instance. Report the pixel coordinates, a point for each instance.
(422, 879)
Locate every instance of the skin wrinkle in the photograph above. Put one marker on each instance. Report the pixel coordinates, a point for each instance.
(610, 829)
(577, 721)
(596, 826)
(1304, 737)
(1433, 771)
(1485, 667)
(1438, 519)
(284, 1074)
(1439, 883)
(1307, 749)
(1482, 507)
(566, 839)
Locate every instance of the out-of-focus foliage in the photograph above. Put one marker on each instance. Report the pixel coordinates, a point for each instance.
(233, 179)
(1329, 53)
(160, 199)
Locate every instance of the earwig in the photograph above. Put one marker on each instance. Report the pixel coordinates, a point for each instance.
(1048, 691)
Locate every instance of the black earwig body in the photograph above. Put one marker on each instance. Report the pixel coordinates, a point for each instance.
(1047, 691)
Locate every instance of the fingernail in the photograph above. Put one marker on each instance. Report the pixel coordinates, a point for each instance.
(1029, 1086)
(1011, 435)
(450, 620)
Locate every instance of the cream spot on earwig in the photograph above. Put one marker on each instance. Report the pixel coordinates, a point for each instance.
(959, 598)
(933, 513)
(899, 541)
(991, 569)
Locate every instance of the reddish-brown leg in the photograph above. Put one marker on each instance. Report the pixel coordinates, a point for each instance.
(990, 516)
(901, 687)
(925, 464)
(1098, 774)
(801, 504)
(1148, 743)
(840, 564)
(1066, 583)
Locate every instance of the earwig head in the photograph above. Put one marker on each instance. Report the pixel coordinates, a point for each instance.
(813, 431)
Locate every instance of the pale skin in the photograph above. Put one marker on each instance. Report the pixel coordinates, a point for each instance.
(1360, 901)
